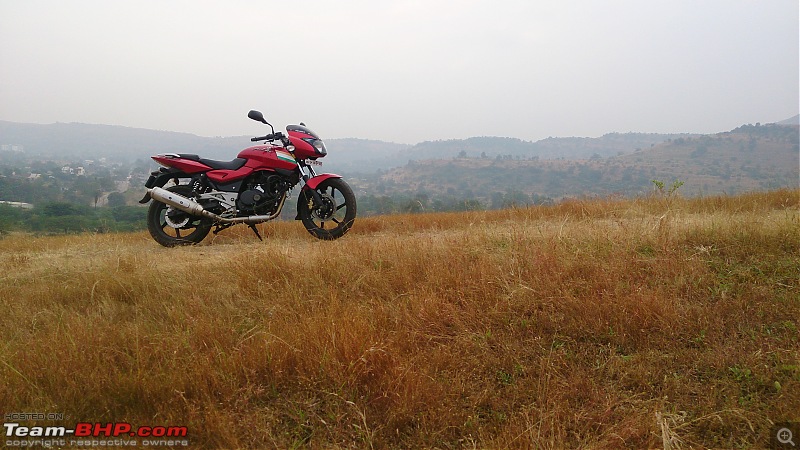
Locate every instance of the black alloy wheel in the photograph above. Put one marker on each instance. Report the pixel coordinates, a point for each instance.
(171, 227)
(334, 217)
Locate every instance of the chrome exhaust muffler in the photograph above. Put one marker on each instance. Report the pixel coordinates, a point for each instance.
(190, 206)
(178, 201)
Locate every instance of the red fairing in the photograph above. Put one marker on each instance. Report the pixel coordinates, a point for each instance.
(186, 165)
(302, 148)
(255, 150)
(268, 157)
(227, 176)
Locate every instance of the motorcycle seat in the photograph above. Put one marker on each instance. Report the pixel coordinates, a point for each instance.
(234, 164)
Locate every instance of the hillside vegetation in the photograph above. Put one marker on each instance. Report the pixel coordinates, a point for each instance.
(646, 323)
(746, 159)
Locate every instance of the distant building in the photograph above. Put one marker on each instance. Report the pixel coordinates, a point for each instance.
(80, 171)
(22, 205)
(34, 176)
(12, 148)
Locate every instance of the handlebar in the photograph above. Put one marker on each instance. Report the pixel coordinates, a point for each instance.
(269, 137)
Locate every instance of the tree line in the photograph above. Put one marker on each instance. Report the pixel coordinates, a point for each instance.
(61, 217)
(65, 218)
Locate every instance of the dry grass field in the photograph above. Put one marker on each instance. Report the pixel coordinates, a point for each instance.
(648, 323)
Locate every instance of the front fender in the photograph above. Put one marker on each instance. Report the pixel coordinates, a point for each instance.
(314, 182)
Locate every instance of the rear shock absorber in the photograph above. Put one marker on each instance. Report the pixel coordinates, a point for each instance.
(200, 184)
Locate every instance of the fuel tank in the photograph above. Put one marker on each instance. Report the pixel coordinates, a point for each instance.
(268, 157)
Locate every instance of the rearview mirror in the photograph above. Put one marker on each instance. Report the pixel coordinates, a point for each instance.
(257, 116)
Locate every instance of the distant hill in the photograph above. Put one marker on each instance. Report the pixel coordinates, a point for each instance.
(351, 155)
(91, 141)
(791, 121)
(611, 144)
(745, 159)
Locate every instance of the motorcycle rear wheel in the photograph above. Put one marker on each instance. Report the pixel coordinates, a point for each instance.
(335, 216)
(171, 227)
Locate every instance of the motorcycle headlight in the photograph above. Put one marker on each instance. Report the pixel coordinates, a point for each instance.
(318, 145)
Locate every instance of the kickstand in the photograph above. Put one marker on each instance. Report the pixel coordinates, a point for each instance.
(255, 230)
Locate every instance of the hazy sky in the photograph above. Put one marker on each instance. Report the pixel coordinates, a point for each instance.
(403, 71)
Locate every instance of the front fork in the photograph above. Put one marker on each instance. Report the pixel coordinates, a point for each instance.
(306, 173)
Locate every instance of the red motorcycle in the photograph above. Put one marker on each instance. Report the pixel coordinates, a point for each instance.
(250, 189)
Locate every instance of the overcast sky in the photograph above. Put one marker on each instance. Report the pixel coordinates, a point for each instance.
(402, 71)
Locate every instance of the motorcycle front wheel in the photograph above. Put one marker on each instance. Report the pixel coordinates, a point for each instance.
(334, 217)
(170, 226)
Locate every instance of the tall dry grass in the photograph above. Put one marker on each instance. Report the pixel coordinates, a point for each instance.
(656, 322)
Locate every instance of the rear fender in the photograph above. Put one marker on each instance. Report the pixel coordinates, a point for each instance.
(314, 182)
(159, 178)
(178, 162)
